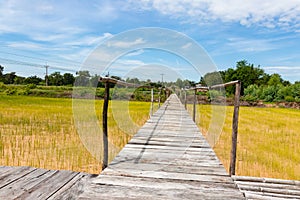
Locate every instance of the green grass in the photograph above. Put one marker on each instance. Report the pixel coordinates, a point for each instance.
(40, 132)
(268, 141)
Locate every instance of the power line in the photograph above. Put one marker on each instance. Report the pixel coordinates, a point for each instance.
(45, 60)
(29, 64)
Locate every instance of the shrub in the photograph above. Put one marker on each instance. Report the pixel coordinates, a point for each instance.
(289, 99)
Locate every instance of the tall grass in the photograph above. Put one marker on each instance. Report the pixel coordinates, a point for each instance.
(268, 141)
(40, 132)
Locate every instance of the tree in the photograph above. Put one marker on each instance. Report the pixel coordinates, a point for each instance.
(33, 80)
(19, 80)
(275, 79)
(68, 79)
(1, 70)
(179, 83)
(246, 73)
(212, 78)
(9, 78)
(82, 78)
(94, 81)
(55, 79)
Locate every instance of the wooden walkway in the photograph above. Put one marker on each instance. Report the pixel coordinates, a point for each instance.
(167, 159)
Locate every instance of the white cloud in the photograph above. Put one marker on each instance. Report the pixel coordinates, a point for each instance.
(291, 73)
(250, 45)
(25, 45)
(187, 45)
(125, 44)
(125, 62)
(282, 68)
(88, 40)
(135, 53)
(276, 13)
(50, 21)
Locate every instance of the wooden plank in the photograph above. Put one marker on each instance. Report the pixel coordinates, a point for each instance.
(24, 184)
(32, 183)
(73, 188)
(268, 188)
(49, 186)
(13, 175)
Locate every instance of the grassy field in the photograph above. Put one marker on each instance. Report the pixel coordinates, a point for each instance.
(268, 141)
(40, 132)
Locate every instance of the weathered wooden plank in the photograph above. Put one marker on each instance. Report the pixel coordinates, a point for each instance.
(32, 183)
(48, 187)
(268, 188)
(265, 180)
(158, 174)
(125, 192)
(204, 170)
(267, 195)
(73, 188)
(171, 189)
(22, 185)
(13, 175)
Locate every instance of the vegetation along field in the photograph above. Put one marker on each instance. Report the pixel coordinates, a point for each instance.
(40, 132)
(268, 141)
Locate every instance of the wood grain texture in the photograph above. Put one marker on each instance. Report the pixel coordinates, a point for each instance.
(268, 188)
(33, 183)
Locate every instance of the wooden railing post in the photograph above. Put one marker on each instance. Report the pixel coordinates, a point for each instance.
(104, 123)
(235, 121)
(185, 100)
(159, 93)
(152, 99)
(194, 106)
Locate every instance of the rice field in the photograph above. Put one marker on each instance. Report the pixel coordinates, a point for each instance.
(40, 132)
(268, 141)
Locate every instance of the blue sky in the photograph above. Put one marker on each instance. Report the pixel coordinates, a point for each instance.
(62, 34)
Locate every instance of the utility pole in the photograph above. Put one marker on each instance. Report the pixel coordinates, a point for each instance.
(162, 79)
(46, 77)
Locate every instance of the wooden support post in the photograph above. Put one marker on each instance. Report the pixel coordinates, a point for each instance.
(104, 123)
(235, 121)
(159, 93)
(185, 100)
(152, 99)
(194, 106)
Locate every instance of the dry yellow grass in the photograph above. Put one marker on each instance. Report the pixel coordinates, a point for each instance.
(40, 132)
(268, 141)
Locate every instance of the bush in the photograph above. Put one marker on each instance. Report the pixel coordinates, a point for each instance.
(269, 93)
(31, 86)
(212, 94)
(289, 99)
(251, 93)
(2, 87)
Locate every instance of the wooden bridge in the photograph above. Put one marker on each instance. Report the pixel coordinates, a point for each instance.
(167, 159)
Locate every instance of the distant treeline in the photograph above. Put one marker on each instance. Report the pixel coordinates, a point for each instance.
(256, 83)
